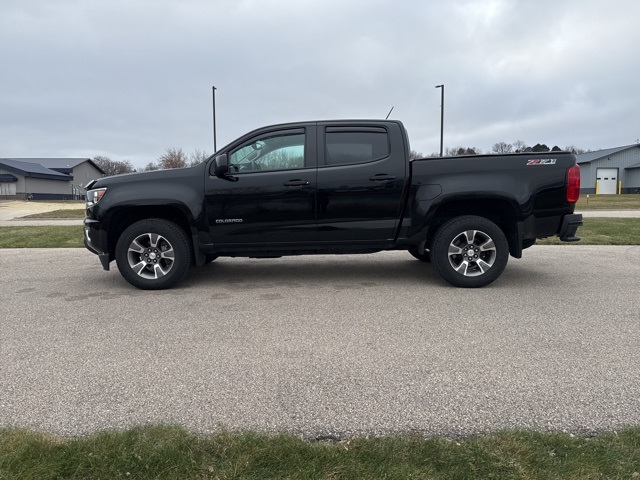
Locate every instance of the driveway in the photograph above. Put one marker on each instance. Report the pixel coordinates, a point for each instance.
(11, 212)
(326, 345)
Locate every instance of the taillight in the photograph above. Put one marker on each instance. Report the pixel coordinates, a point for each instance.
(573, 184)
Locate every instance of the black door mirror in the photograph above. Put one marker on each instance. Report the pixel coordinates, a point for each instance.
(221, 165)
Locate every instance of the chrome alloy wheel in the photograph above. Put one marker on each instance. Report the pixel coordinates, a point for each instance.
(471, 253)
(150, 256)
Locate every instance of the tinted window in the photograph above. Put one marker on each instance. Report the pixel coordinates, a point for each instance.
(355, 147)
(276, 152)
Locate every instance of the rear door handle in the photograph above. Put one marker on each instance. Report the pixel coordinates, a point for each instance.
(296, 183)
(380, 177)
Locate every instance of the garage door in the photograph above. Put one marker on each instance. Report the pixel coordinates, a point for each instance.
(607, 181)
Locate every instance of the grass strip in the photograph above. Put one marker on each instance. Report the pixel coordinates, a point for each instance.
(608, 202)
(55, 236)
(69, 213)
(595, 231)
(164, 452)
(603, 231)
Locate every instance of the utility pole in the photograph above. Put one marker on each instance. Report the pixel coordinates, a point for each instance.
(441, 118)
(213, 91)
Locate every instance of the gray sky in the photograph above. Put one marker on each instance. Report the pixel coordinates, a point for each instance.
(127, 79)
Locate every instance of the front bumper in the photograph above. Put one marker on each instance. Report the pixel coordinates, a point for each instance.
(95, 240)
(570, 224)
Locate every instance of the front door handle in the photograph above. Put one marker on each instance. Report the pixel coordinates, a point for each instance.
(381, 177)
(296, 183)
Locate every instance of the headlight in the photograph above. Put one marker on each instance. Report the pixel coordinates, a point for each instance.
(94, 196)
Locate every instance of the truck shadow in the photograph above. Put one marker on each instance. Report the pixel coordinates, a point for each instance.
(311, 271)
(336, 271)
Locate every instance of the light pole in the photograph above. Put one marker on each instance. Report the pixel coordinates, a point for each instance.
(441, 117)
(213, 92)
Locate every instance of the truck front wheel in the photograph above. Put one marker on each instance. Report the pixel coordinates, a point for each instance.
(470, 251)
(153, 254)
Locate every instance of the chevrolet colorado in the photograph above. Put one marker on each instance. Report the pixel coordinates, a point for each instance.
(332, 187)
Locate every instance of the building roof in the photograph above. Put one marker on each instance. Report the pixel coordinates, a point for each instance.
(32, 170)
(636, 165)
(62, 165)
(591, 156)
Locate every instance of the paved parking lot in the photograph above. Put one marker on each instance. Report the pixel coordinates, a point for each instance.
(328, 345)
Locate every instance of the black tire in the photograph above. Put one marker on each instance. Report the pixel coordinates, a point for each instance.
(423, 257)
(478, 255)
(153, 254)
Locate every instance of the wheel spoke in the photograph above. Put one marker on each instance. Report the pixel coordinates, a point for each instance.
(139, 267)
(159, 271)
(488, 245)
(454, 250)
(482, 265)
(462, 268)
(136, 247)
(470, 235)
(154, 238)
(169, 254)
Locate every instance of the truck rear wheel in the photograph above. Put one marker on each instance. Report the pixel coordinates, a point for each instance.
(153, 254)
(470, 251)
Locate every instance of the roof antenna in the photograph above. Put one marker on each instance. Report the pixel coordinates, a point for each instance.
(389, 113)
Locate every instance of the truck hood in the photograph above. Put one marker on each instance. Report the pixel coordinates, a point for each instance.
(196, 171)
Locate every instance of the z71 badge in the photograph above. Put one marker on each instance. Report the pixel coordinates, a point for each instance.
(542, 161)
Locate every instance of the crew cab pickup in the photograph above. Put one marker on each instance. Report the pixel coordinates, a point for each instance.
(332, 187)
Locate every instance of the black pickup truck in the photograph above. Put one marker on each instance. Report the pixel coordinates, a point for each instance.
(332, 187)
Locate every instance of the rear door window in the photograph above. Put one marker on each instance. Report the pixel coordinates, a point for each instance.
(345, 147)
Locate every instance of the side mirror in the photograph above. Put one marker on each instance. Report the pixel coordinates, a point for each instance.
(221, 165)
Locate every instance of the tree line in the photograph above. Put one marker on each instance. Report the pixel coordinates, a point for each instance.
(518, 146)
(178, 158)
(171, 158)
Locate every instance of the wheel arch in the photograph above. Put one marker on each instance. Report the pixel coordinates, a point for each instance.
(122, 217)
(500, 211)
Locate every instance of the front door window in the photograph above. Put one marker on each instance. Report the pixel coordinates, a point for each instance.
(279, 152)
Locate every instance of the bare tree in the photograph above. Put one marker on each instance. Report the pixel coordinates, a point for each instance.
(414, 154)
(113, 167)
(502, 147)
(197, 156)
(172, 158)
(151, 166)
(519, 146)
(575, 150)
(457, 151)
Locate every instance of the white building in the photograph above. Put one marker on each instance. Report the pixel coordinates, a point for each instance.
(46, 178)
(611, 171)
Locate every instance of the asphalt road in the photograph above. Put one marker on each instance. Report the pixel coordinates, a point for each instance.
(323, 346)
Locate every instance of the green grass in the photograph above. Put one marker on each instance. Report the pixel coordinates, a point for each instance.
(603, 231)
(42, 237)
(160, 452)
(57, 214)
(609, 202)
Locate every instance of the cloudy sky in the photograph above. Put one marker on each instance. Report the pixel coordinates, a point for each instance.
(129, 78)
